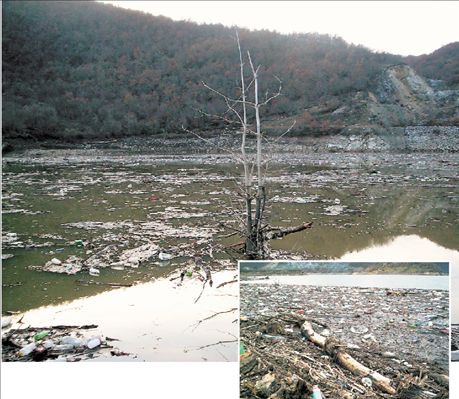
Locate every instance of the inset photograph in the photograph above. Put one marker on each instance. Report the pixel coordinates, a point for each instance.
(344, 330)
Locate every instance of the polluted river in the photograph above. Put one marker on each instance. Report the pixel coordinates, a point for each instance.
(358, 336)
(127, 240)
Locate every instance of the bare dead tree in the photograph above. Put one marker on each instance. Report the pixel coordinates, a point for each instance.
(256, 231)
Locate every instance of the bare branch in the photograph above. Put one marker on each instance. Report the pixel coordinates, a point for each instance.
(225, 96)
(286, 132)
(279, 90)
(216, 343)
(196, 325)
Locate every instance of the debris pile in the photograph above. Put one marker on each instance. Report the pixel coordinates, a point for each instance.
(294, 338)
(454, 342)
(71, 265)
(58, 343)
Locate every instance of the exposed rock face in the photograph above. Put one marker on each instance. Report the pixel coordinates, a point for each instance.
(403, 98)
(405, 113)
(400, 84)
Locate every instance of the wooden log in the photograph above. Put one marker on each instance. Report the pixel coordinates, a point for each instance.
(346, 360)
(279, 233)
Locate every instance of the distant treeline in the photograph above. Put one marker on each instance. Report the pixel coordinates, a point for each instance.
(74, 70)
(284, 267)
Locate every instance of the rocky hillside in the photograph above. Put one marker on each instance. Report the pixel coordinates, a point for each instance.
(82, 71)
(404, 111)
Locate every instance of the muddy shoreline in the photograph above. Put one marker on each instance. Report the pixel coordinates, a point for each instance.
(392, 139)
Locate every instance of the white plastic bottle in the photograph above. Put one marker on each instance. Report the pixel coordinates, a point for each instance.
(27, 350)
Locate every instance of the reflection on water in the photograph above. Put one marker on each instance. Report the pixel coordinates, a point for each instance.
(157, 320)
(409, 248)
(361, 280)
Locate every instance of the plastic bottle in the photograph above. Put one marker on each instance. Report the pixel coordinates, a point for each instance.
(40, 335)
(27, 350)
(69, 340)
(93, 342)
(316, 394)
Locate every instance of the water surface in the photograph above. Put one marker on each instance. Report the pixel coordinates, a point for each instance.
(156, 321)
(360, 204)
(392, 281)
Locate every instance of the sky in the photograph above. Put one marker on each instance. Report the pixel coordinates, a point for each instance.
(397, 27)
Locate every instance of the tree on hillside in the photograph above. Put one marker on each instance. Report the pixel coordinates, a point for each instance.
(246, 109)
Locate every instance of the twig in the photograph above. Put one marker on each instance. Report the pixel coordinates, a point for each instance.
(214, 344)
(227, 282)
(196, 325)
(203, 286)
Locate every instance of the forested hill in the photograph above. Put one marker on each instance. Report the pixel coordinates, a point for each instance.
(88, 70)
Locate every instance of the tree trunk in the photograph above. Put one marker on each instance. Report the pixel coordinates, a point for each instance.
(250, 242)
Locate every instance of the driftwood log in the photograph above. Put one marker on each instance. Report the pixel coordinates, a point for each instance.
(346, 360)
(274, 233)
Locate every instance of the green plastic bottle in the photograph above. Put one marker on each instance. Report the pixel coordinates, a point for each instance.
(40, 335)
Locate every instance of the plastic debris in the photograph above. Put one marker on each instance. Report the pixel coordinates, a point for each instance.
(55, 261)
(94, 272)
(74, 341)
(93, 343)
(367, 382)
(40, 335)
(48, 344)
(164, 256)
(241, 348)
(27, 350)
(6, 322)
(79, 243)
(316, 394)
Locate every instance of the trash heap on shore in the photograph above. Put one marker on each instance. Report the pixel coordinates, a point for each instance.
(58, 343)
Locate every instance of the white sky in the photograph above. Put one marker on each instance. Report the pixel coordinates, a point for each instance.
(398, 27)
